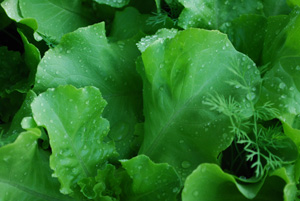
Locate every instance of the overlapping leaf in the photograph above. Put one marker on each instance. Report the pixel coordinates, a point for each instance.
(211, 14)
(282, 54)
(85, 58)
(179, 128)
(150, 181)
(76, 131)
(24, 171)
(209, 182)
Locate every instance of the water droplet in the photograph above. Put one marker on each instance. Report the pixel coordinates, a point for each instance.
(175, 190)
(297, 67)
(283, 96)
(195, 193)
(185, 164)
(282, 85)
(250, 96)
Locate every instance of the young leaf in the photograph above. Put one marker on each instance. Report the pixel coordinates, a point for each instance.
(209, 182)
(55, 18)
(76, 131)
(176, 84)
(24, 171)
(150, 181)
(85, 58)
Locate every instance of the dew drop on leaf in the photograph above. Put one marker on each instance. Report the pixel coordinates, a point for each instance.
(195, 193)
(282, 85)
(185, 164)
(250, 96)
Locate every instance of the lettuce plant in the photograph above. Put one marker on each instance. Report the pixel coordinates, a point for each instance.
(170, 100)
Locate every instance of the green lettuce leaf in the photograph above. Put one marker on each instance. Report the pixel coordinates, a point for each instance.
(279, 7)
(211, 14)
(247, 34)
(209, 182)
(105, 186)
(76, 131)
(86, 58)
(150, 181)
(114, 3)
(180, 128)
(55, 18)
(282, 55)
(24, 171)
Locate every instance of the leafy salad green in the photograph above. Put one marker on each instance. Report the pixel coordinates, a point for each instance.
(165, 100)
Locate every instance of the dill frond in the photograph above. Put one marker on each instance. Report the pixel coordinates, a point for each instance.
(246, 118)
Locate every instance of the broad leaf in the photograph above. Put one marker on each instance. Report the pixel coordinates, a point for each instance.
(85, 58)
(211, 14)
(281, 83)
(150, 181)
(247, 35)
(55, 18)
(209, 182)
(76, 131)
(24, 171)
(279, 7)
(179, 127)
(114, 3)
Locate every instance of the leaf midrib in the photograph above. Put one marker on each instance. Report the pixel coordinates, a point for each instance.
(27, 190)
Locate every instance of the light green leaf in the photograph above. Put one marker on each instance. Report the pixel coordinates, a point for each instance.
(85, 58)
(211, 14)
(208, 182)
(76, 131)
(160, 36)
(24, 171)
(180, 128)
(150, 181)
(293, 3)
(105, 186)
(114, 3)
(55, 18)
(12, 10)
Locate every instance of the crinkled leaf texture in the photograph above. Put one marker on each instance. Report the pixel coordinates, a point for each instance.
(105, 186)
(24, 171)
(209, 182)
(179, 128)
(139, 179)
(85, 58)
(76, 131)
(150, 181)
